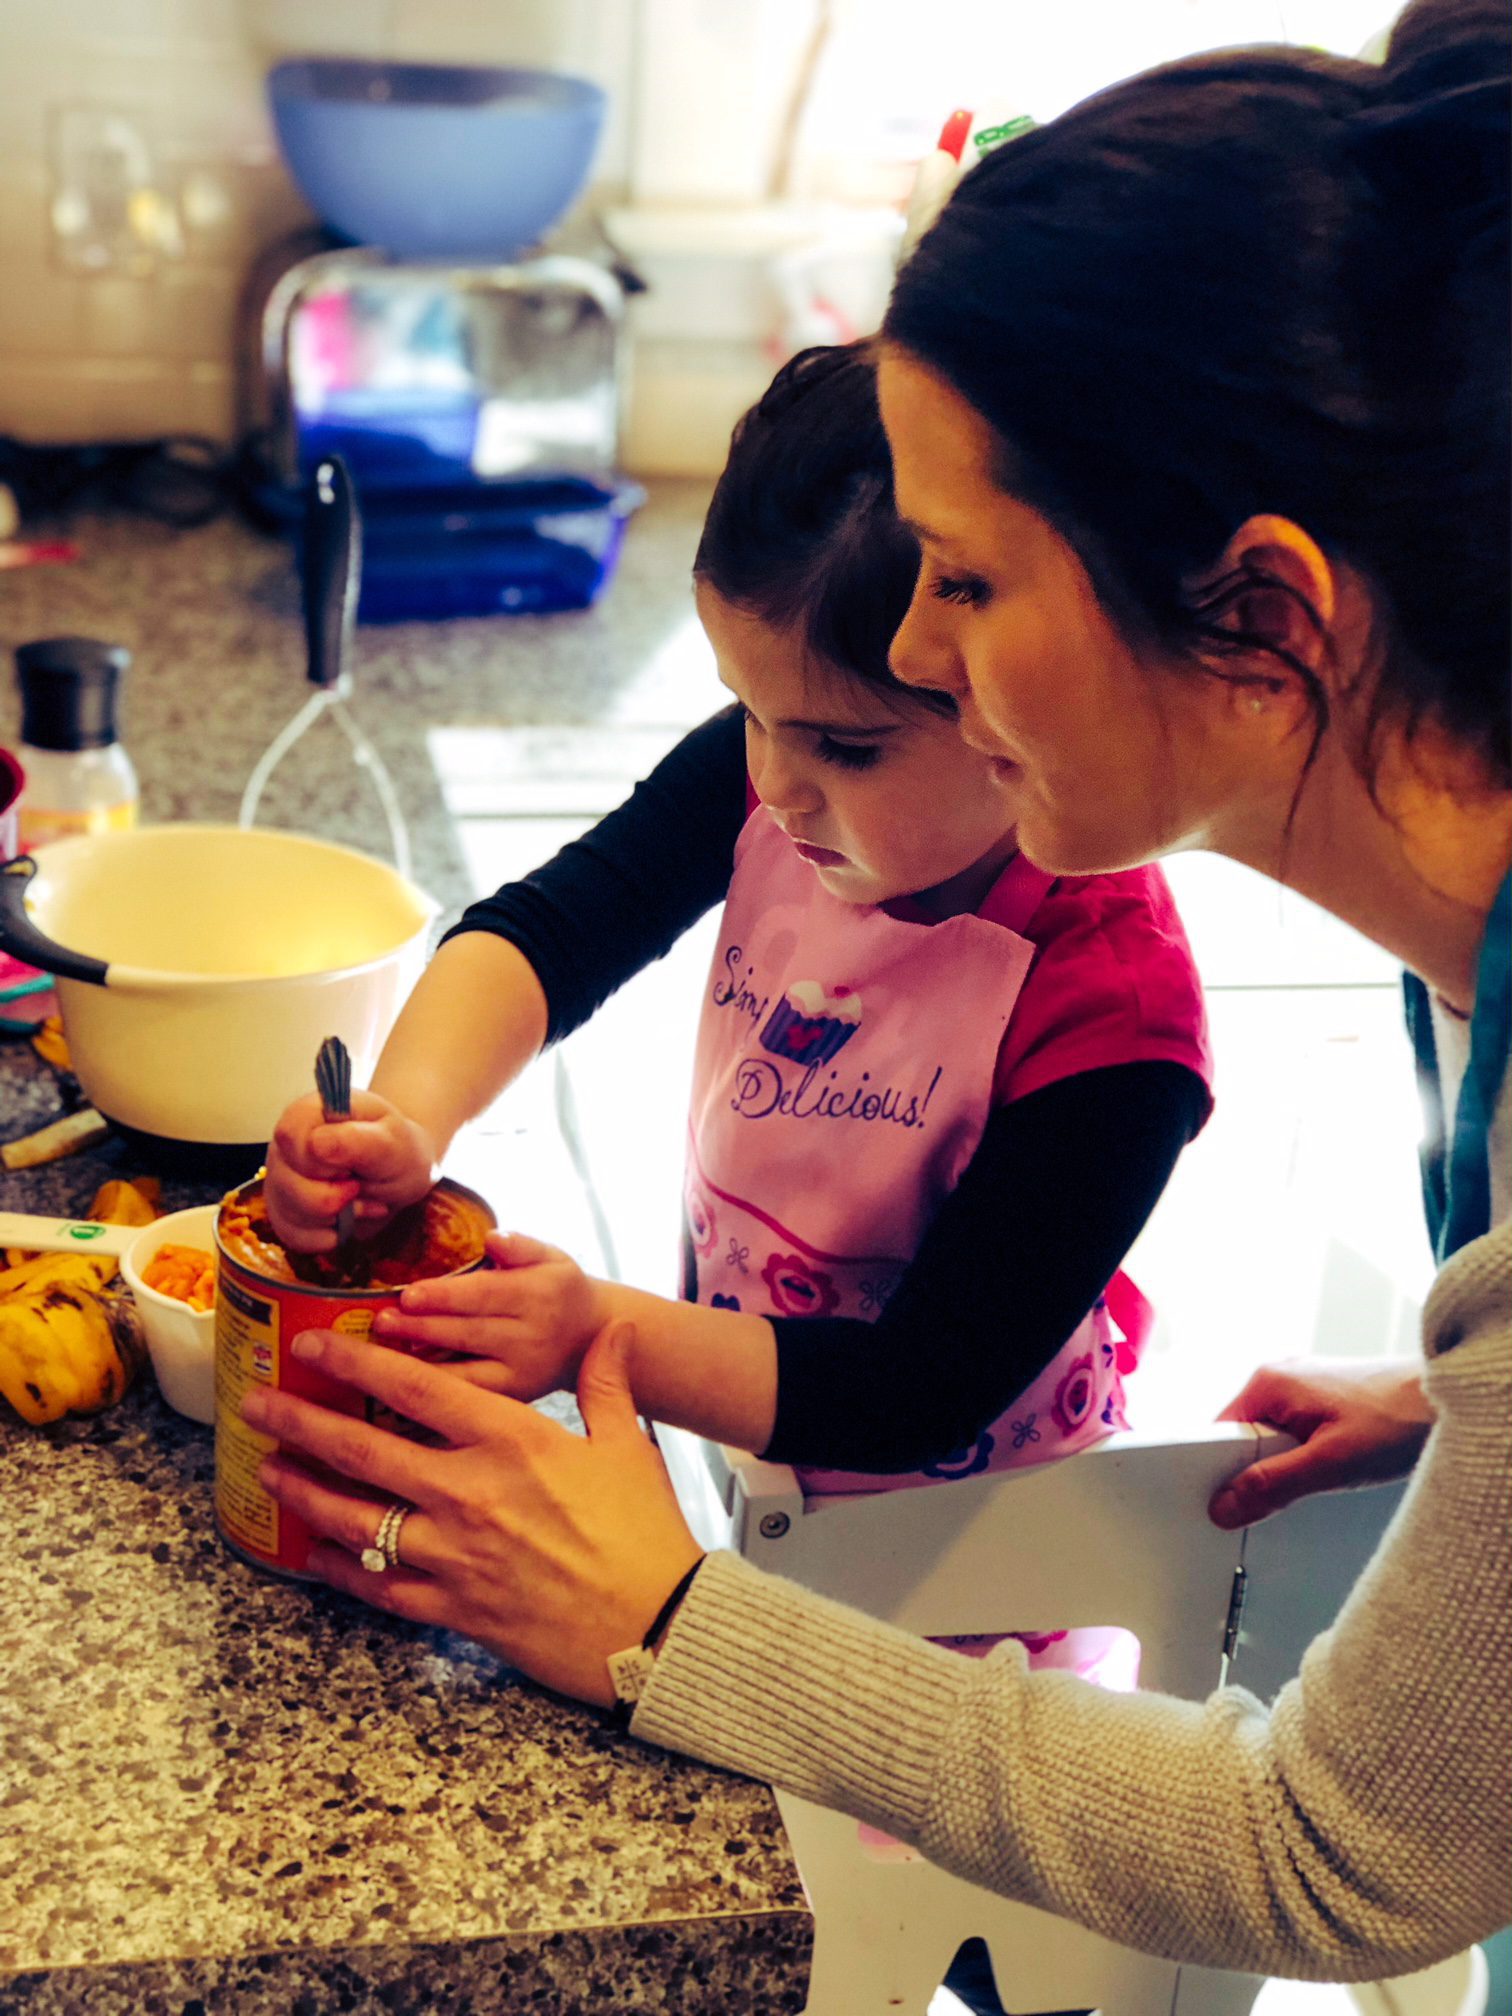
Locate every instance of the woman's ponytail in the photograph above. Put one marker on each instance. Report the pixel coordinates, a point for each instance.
(1439, 47)
(1439, 126)
(1433, 265)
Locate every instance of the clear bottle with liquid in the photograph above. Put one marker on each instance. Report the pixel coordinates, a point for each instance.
(79, 778)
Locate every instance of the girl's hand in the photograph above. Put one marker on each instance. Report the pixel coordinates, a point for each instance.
(1355, 1425)
(524, 1322)
(550, 1548)
(378, 1161)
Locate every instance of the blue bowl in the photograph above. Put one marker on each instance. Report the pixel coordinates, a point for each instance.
(435, 160)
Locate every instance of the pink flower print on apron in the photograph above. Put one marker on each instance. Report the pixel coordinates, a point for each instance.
(842, 1080)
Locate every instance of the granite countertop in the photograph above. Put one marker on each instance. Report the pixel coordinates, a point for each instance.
(225, 1794)
(211, 618)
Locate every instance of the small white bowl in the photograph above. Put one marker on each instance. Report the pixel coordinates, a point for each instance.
(180, 1339)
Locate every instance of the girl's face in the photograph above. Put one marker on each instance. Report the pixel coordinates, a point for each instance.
(1106, 758)
(884, 800)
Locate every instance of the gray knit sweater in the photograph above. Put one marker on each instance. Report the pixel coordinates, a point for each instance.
(1360, 1827)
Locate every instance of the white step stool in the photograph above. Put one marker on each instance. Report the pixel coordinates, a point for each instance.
(1116, 1536)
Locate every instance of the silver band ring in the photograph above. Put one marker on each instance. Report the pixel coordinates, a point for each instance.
(384, 1552)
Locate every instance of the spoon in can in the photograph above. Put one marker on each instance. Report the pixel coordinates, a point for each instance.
(333, 1083)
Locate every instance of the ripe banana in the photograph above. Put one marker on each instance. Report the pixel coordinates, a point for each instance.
(59, 1350)
(44, 1270)
(67, 1346)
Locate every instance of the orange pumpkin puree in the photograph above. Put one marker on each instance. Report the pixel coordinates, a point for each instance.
(441, 1234)
(187, 1273)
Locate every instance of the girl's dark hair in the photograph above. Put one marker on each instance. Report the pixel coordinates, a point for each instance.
(801, 530)
(1260, 281)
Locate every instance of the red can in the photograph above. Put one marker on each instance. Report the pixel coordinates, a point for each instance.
(261, 1306)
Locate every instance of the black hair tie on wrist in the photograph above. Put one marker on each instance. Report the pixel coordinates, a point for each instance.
(630, 1670)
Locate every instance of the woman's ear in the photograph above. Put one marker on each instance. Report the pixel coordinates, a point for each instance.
(1279, 588)
(1269, 609)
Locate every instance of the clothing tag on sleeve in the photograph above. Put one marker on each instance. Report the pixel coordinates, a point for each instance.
(631, 1671)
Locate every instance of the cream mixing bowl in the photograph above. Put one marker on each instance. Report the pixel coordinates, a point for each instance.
(199, 968)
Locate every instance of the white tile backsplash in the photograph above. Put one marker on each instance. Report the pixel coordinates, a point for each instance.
(97, 355)
(125, 399)
(105, 355)
(41, 313)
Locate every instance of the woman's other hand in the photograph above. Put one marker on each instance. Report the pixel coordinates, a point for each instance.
(1355, 1425)
(552, 1549)
(378, 1161)
(523, 1322)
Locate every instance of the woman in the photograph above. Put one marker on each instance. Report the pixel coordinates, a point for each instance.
(1198, 400)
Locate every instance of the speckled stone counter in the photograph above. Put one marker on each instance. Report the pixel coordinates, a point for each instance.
(224, 1795)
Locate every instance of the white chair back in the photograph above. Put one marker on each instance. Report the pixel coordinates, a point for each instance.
(1116, 1536)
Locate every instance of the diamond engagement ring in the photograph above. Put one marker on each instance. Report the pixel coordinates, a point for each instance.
(384, 1552)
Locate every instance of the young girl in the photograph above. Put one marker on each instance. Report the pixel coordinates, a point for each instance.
(936, 1092)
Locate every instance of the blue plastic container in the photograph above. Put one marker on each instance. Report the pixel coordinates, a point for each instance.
(520, 548)
(394, 441)
(434, 160)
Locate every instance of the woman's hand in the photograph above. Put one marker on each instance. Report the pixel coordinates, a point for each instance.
(1355, 1425)
(378, 1161)
(524, 1322)
(550, 1548)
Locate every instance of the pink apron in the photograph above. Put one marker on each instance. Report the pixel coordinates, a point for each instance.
(843, 1077)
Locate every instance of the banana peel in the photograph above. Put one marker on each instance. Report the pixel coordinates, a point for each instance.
(67, 1344)
(120, 1202)
(51, 1045)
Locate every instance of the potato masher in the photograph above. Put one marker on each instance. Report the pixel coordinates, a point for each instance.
(330, 577)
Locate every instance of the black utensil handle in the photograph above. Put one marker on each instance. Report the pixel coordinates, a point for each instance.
(333, 1079)
(21, 938)
(332, 569)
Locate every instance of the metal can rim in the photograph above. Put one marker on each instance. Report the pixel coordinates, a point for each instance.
(339, 1294)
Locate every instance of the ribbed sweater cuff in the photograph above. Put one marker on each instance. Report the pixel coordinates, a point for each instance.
(761, 1676)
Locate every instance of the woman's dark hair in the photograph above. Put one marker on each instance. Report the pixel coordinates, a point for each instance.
(1260, 281)
(801, 530)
